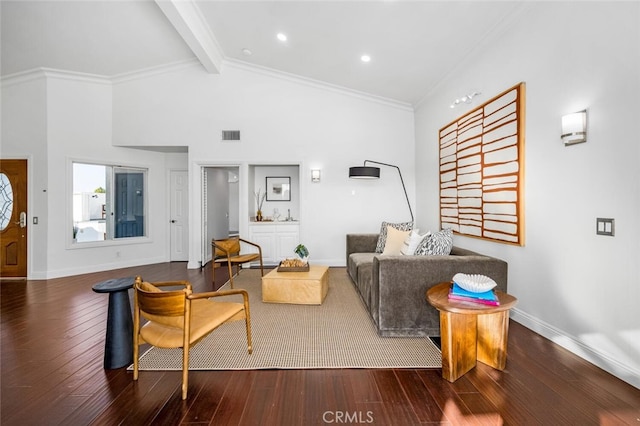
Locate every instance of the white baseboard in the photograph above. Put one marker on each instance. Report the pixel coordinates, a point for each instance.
(88, 269)
(602, 360)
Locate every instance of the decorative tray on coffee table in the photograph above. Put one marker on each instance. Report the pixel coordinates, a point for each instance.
(282, 267)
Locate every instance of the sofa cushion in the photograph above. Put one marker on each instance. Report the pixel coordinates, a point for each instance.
(395, 241)
(439, 244)
(356, 260)
(360, 269)
(382, 238)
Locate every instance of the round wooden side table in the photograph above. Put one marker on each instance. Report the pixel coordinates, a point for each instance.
(470, 331)
(118, 346)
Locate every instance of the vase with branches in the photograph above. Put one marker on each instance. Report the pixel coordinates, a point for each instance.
(259, 201)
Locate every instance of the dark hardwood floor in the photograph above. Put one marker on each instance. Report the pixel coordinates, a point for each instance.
(52, 353)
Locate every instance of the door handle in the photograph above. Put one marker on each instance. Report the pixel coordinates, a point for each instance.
(173, 221)
(23, 220)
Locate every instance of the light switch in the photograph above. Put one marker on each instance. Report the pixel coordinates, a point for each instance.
(605, 226)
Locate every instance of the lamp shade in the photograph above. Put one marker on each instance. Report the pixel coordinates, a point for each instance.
(364, 172)
(369, 172)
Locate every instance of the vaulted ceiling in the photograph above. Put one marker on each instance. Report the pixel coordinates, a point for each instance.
(413, 45)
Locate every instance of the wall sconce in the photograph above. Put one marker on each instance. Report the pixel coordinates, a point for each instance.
(315, 175)
(574, 127)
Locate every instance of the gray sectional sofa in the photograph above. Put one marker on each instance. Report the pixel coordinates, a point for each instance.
(394, 287)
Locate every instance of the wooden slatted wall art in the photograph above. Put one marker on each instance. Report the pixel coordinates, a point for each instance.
(482, 170)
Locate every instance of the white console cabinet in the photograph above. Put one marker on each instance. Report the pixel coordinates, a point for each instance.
(277, 240)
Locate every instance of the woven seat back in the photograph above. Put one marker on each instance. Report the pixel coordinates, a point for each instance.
(231, 245)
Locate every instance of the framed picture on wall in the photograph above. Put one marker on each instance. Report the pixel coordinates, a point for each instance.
(278, 188)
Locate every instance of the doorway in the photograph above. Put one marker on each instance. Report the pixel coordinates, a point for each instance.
(220, 205)
(13, 218)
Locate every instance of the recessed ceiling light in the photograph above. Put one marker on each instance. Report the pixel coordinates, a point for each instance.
(247, 52)
(282, 37)
(365, 58)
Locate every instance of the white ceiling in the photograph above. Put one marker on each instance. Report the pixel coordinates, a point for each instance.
(413, 44)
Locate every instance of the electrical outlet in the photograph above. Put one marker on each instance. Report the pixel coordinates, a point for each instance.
(605, 226)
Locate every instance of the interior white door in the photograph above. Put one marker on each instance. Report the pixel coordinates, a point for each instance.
(179, 211)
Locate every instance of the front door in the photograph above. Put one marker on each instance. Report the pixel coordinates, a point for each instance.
(13, 218)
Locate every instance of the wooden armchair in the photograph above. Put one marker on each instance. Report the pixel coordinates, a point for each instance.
(180, 318)
(227, 252)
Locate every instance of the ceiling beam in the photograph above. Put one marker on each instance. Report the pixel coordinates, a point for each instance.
(187, 19)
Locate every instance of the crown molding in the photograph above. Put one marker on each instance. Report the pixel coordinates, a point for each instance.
(76, 76)
(37, 73)
(23, 77)
(44, 73)
(153, 71)
(282, 75)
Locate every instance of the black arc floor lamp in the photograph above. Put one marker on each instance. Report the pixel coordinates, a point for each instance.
(370, 172)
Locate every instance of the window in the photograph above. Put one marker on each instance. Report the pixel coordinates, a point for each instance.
(109, 202)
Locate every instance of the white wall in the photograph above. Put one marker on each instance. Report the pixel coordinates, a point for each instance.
(54, 119)
(24, 136)
(575, 287)
(283, 121)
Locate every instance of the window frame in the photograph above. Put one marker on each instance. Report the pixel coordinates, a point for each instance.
(110, 239)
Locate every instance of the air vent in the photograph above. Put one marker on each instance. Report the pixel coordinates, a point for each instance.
(230, 135)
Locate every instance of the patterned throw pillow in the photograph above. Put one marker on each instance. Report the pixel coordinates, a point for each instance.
(439, 244)
(382, 238)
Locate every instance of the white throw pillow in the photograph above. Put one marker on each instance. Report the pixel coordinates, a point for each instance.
(412, 241)
(395, 241)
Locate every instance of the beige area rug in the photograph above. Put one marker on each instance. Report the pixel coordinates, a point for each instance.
(337, 334)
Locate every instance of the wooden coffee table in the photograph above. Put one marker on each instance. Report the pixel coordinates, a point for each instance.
(471, 331)
(303, 288)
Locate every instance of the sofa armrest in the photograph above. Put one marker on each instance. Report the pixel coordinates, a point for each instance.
(433, 270)
(361, 243)
(400, 283)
